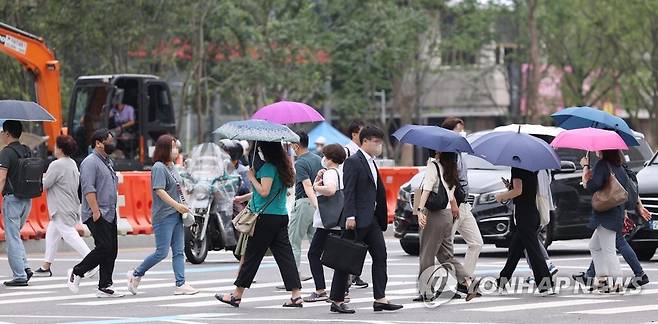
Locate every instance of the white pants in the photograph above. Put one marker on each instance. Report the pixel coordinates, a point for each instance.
(56, 232)
(604, 253)
(468, 228)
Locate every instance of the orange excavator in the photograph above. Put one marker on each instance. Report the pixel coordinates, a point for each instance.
(32, 52)
(94, 101)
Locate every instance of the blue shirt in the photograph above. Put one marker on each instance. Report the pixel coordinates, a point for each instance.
(97, 175)
(612, 219)
(278, 205)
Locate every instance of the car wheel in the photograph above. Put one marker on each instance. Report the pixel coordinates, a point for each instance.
(410, 248)
(644, 250)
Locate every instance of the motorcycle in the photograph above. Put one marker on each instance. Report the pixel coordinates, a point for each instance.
(211, 186)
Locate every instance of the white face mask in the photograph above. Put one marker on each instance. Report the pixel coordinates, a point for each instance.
(324, 163)
(261, 155)
(462, 133)
(379, 149)
(174, 153)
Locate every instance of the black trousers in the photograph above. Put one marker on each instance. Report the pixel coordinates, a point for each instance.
(104, 253)
(374, 238)
(271, 232)
(524, 237)
(315, 254)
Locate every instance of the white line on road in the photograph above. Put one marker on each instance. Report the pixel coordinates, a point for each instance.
(618, 310)
(456, 302)
(140, 300)
(551, 304)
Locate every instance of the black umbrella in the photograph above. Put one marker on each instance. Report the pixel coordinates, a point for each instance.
(23, 111)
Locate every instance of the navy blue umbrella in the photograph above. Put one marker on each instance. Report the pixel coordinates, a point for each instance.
(23, 111)
(516, 150)
(584, 117)
(433, 137)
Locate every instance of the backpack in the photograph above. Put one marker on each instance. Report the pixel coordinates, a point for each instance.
(30, 175)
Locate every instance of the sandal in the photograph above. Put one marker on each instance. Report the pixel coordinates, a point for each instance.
(235, 302)
(294, 302)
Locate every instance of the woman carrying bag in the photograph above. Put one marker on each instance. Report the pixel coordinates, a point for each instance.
(168, 208)
(328, 186)
(437, 209)
(270, 230)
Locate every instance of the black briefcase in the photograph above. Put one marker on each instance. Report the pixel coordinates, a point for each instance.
(343, 254)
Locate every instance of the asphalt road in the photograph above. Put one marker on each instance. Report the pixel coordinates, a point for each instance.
(47, 300)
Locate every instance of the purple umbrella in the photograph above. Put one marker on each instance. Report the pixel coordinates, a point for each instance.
(517, 150)
(288, 112)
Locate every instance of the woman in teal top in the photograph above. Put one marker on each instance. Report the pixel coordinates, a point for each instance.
(269, 187)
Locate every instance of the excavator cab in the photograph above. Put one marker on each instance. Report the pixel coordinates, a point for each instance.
(111, 101)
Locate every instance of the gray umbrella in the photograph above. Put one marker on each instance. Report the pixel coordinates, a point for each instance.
(23, 111)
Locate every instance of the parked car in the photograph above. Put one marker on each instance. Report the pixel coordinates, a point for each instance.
(644, 239)
(568, 221)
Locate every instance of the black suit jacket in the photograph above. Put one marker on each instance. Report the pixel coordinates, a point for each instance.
(361, 194)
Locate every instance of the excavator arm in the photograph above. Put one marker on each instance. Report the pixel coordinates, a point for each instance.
(32, 52)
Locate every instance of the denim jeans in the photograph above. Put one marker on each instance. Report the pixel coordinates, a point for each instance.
(168, 232)
(629, 255)
(15, 212)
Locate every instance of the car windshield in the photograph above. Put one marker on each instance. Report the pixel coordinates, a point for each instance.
(476, 163)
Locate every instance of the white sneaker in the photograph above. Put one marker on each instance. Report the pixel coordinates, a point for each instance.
(73, 281)
(108, 293)
(133, 282)
(91, 273)
(185, 289)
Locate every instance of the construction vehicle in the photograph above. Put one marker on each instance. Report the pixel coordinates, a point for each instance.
(92, 100)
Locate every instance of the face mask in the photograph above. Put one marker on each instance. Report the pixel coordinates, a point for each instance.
(109, 148)
(174, 153)
(379, 149)
(261, 155)
(324, 163)
(462, 134)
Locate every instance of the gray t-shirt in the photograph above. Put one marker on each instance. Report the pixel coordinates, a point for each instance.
(61, 183)
(164, 177)
(97, 175)
(306, 167)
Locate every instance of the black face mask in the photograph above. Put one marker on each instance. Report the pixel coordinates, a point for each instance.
(110, 148)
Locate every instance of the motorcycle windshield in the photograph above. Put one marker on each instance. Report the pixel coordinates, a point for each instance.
(207, 161)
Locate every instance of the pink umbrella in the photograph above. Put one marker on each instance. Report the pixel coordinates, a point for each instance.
(288, 112)
(589, 139)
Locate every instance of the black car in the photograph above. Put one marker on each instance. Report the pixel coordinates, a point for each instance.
(644, 239)
(572, 201)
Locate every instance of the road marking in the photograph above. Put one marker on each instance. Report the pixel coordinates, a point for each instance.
(83, 284)
(617, 310)
(454, 302)
(352, 301)
(24, 293)
(548, 304)
(141, 300)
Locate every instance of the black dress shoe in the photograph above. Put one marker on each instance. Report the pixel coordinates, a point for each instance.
(29, 273)
(16, 283)
(342, 309)
(378, 307)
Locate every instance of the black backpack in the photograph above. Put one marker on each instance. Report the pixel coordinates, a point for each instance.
(30, 175)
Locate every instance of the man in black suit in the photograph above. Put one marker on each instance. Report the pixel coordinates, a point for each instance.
(365, 212)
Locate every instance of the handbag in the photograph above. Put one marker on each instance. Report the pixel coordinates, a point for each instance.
(245, 221)
(331, 207)
(344, 255)
(610, 196)
(437, 200)
(544, 209)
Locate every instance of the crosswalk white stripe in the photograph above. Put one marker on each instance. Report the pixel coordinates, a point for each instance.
(140, 300)
(617, 310)
(89, 283)
(352, 301)
(24, 293)
(43, 279)
(456, 302)
(548, 304)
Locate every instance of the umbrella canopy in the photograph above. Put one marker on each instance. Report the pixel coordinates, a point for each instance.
(288, 112)
(589, 139)
(516, 150)
(23, 111)
(583, 117)
(330, 134)
(257, 130)
(433, 137)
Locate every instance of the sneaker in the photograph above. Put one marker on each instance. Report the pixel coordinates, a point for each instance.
(16, 283)
(133, 282)
(359, 283)
(547, 292)
(315, 297)
(638, 282)
(91, 273)
(108, 293)
(553, 270)
(29, 273)
(582, 278)
(73, 281)
(41, 272)
(530, 280)
(185, 289)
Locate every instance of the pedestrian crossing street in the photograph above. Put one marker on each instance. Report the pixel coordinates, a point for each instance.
(264, 300)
